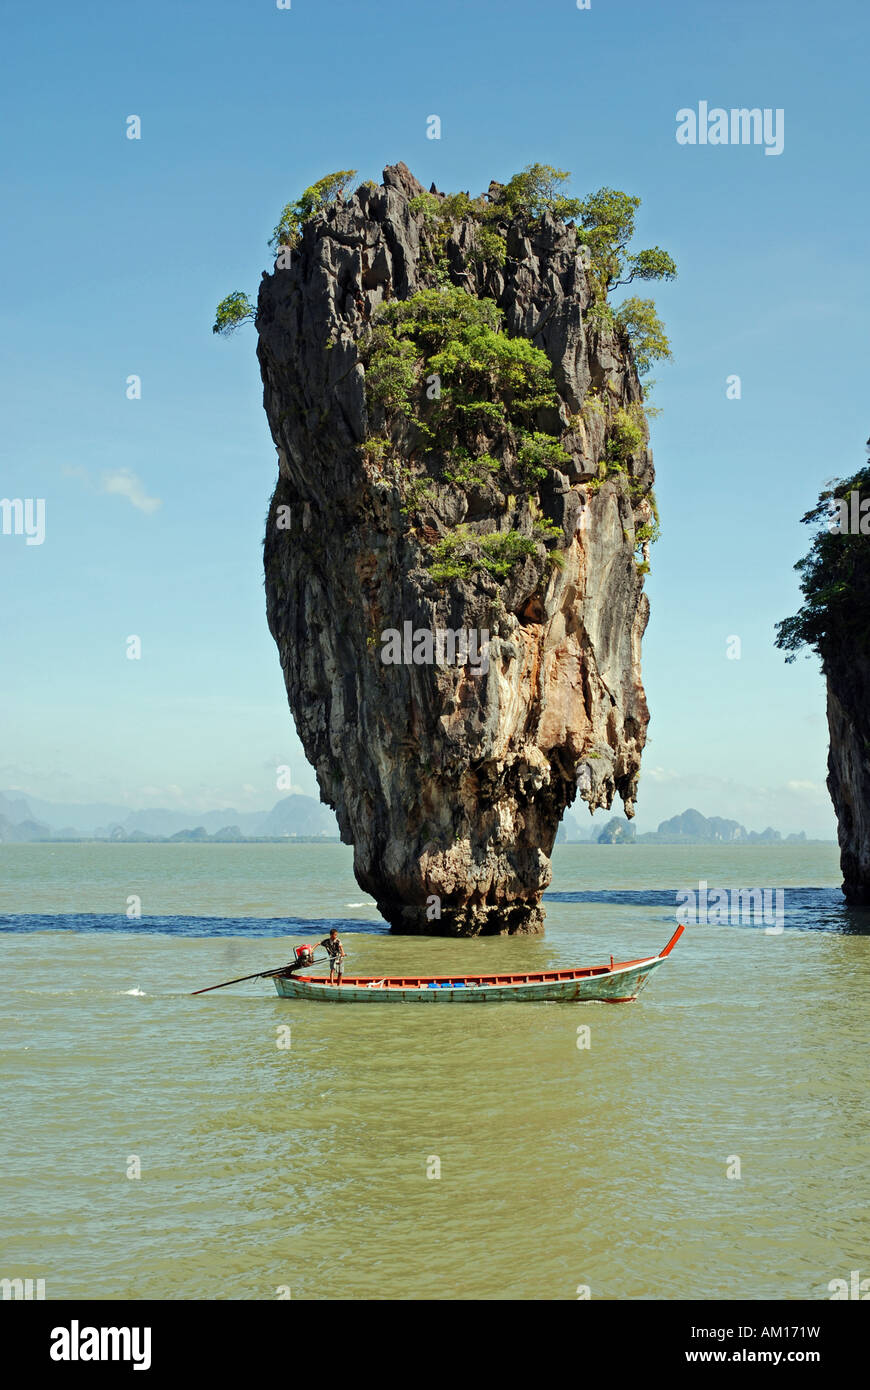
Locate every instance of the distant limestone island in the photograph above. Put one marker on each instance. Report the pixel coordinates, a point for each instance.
(690, 828)
(31, 820)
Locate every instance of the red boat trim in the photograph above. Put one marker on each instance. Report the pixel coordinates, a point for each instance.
(419, 981)
(672, 943)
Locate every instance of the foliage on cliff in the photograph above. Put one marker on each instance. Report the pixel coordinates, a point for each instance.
(441, 359)
(484, 377)
(486, 389)
(606, 226)
(232, 312)
(835, 582)
(294, 215)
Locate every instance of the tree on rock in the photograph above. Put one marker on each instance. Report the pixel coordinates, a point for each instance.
(641, 325)
(232, 312)
(294, 215)
(607, 223)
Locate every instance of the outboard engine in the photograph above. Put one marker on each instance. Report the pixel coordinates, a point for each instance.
(303, 955)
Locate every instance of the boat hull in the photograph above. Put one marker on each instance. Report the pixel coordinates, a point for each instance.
(616, 985)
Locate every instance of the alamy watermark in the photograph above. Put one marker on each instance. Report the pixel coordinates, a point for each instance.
(76, 1343)
(856, 1287)
(713, 125)
(438, 646)
(23, 517)
(22, 1288)
(850, 516)
(737, 907)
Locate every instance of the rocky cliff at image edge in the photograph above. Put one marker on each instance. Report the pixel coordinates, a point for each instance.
(845, 652)
(449, 781)
(835, 584)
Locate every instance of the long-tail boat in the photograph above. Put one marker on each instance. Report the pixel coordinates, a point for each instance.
(616, 983)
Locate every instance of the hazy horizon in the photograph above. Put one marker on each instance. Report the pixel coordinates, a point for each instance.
(42, 807)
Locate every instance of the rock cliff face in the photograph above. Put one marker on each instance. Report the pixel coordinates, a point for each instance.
(848, 677)
(450, 779)
(845, 652)
(835, 583)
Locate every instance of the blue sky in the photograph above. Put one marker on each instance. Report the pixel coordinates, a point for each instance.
(115, 252)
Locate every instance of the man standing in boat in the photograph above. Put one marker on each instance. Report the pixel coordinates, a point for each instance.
(335, 950)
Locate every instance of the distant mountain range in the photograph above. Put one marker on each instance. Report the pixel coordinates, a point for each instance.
(24, 819)
(691, 828)
(31, 819)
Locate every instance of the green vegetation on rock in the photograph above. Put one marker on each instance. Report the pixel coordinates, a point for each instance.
(484, 377)
(641, 325)
(538, 453)
(236, 308)
(466, 472)
(294, 215)
(626, 435)
(607, 227)
(537, 190)
(606, 222)
(835, 583)
(458, 554)
(441, 362)
(232, 312)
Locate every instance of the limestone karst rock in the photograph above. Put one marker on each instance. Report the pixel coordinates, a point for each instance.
(450, 779)
(849, 772)
(845, 652)
(835, 582)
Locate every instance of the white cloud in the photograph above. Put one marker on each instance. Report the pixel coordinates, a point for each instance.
(118, 482)
(123, 482)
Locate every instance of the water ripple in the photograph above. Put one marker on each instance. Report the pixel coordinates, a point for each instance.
(184, 926)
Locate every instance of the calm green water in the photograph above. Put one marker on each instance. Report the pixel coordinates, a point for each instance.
(306, 1166)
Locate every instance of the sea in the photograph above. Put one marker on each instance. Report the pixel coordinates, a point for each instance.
(708, 1141)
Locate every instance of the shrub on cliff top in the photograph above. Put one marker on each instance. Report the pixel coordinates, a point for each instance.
(835, 583)
(236, 308)
(606, 226)
(439, 215)
(326, 190)
(447, 207)
(538, 189)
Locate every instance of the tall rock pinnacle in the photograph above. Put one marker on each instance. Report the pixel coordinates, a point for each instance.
(463, 463)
